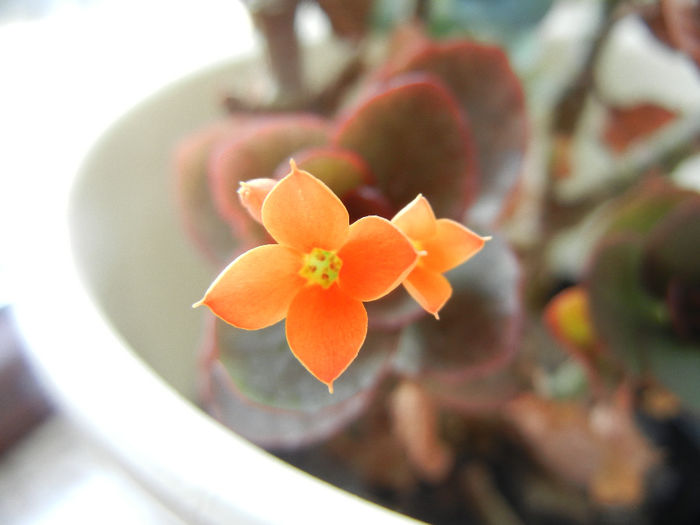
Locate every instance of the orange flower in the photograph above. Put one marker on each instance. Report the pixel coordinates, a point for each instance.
(442, 244)
(317, 277)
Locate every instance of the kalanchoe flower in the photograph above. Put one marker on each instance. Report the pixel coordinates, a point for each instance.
(443, 244)
(317, 277)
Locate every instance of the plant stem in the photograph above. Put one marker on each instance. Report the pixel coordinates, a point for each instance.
(275, 21)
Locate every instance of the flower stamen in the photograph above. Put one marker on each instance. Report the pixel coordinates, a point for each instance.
(321, 267)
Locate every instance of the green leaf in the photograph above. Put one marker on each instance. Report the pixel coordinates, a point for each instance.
(645, 205)
(677, 366)
(341, 170)
(672, 248)
(624, 314)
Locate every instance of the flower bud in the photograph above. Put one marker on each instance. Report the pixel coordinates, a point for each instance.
(252, 193)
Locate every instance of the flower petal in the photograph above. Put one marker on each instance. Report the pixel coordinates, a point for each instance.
(256, 289)
(416, 219)
(430, 289)
(303, 213)
(325, 330)
(452, 245)
(376, 258)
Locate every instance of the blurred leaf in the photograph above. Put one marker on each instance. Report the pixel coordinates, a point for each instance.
(500, 20)
(414, 140)
(626, 126)
(394, 311)
(263, 368)
(271, 427)
(624, 314)
(202, 221)
(479, 326)
(482, 394)
(341, 170)
(677, 366)
(672, 249)
(491, 96)
(348, 19)
(644, 206)
(415, 424)
(367, 200)
(266, 145)
(644, 286)
(598, 448)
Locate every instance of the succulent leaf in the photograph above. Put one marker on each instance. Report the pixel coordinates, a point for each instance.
(270, 142)
(209, 231)
(490, 95)
(272, 427)
(478, 327)
(263, 370)
(411, 133)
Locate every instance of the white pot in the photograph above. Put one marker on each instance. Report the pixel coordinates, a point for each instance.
(106, 312)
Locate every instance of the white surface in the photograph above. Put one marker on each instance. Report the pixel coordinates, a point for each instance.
(56, 476)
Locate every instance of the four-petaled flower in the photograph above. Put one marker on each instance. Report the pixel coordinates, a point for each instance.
(317, 276)
(443, 244)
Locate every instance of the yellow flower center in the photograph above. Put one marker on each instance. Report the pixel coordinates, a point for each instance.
(321, 267)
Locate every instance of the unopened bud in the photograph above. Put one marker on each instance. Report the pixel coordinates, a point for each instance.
(252, 193)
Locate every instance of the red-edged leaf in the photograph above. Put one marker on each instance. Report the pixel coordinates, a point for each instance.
(481, 79)
(272, 427)
(478, 327)
(415, 140)
(264, 370)
(202, 221)
(347, 174)
(406, 40)
(272, 141)
(341, 170)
